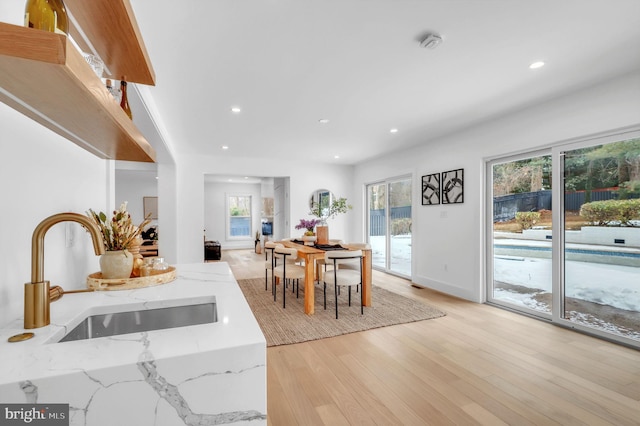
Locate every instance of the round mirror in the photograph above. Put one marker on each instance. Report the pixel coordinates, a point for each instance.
(319, 203)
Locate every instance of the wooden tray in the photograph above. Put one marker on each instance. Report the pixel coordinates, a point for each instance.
(96, 282)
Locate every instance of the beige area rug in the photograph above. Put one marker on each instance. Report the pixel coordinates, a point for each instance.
(291, 325)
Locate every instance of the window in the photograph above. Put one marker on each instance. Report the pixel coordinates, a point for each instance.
(239, 217)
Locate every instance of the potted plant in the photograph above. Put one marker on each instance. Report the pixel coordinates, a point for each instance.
(118, 235)
(309, 225)
(309, 236)
(339, 205)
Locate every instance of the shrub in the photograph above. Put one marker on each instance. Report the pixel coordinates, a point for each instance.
(401, 226)
(603, 213)
(598, 213)
(630, 189)
(526, 220)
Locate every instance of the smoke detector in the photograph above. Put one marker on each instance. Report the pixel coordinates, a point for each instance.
(431, 41)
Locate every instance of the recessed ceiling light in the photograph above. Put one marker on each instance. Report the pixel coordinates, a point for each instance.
(224, 147)
(323, 121)
(336, 157)
(393, 131)
(535, 65)
(235, 110)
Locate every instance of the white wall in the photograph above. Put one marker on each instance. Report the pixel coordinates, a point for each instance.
(452, 235)
(12, 11)
(132, 186)
(42, 174)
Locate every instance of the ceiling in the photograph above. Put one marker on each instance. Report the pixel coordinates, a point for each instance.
(359, 64)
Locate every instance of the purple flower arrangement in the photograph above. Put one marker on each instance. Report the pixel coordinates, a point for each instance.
(308, 224)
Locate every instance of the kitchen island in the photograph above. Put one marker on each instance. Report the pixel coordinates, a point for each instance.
(212, 373)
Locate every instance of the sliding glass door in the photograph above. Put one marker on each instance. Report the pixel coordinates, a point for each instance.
(564, 235)
(521, 232)
(601, 244)
(389, 225)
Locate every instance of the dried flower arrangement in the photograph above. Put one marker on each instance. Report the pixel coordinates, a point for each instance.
(119, 233)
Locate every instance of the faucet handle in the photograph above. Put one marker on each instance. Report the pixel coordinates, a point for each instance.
(55, 292)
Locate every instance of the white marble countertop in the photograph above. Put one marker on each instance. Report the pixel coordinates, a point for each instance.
(40, 357)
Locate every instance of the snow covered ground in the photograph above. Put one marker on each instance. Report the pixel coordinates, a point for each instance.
(400, 253)
(613, 285)
(610, 285)
(613, 291)
(617, 286)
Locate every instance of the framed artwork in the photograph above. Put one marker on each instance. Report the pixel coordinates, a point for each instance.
(150, 206)
(453, 186)
(431, 189)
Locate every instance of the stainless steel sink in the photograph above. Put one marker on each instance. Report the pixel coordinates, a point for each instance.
(117, 323)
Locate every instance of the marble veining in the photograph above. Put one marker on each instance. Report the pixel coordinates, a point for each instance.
(207, 374)
(171, 394)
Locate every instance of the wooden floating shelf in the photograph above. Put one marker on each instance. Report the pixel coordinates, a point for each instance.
(111, 27)
(43, 76)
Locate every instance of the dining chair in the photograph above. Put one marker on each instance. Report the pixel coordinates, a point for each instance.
(287, 269)
(299, 260)
(321, 264)
(341, 277)
(269, 262)
(354, 264)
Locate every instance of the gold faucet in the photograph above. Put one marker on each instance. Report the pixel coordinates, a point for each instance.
(36, 293)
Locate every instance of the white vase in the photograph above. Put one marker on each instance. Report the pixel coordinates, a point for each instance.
(309, 240)
(116, 264)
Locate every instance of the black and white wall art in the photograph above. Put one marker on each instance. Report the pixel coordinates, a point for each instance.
(452, 187)
(431, 189)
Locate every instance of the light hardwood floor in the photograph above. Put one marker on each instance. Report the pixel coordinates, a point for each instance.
(477, 365)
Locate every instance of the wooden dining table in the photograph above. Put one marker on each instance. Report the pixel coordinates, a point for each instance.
(310, 253)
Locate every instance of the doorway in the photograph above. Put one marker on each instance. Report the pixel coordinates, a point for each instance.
(265, 214)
